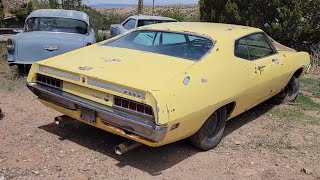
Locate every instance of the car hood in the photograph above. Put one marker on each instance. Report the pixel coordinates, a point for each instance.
(131, 68)
(34, 46)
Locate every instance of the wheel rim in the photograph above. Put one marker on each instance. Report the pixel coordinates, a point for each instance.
(213, 127)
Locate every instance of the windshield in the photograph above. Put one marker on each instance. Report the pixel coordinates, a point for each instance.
(148, 22)
(55, 24)
(180, 45)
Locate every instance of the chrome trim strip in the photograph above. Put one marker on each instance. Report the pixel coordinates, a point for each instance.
(122, 120)
(118, 89)
(59, 73)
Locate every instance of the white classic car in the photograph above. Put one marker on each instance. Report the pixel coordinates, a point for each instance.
(137, 21)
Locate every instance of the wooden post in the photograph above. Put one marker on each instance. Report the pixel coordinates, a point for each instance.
(153, 8)
(140, 6)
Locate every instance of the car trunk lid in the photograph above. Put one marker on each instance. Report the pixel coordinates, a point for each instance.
(131, 68)
(34, 46)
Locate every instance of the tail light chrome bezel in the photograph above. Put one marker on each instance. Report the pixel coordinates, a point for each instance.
(49, 81)
(134, 107)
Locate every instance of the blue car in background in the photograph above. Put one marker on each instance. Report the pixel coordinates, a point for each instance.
(48, 33)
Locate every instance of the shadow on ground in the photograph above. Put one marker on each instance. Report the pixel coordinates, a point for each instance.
(147, 159)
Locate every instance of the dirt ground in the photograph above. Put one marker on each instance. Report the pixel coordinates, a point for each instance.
(260, 144)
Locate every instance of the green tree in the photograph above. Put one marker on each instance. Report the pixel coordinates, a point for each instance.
(1, 12)
(53, 4)
(295, 23)
(72, 4)
(22, 11)
(173, 14)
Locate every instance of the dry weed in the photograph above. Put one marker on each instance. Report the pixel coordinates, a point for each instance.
(315, 60)
(9, 76)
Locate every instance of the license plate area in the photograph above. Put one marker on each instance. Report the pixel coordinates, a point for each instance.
(88, 115)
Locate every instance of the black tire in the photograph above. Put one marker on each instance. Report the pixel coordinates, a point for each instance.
(1, 114)
(289, 93)
(23, 69)
(211, 132)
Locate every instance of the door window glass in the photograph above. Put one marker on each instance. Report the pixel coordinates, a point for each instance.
(259, 46)
(253, 47)
(241, 49)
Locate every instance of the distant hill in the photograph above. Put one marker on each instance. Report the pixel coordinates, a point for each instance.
(191, 12)
(110, 6)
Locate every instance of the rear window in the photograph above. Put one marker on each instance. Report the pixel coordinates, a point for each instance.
(56, 24)
(179, 45)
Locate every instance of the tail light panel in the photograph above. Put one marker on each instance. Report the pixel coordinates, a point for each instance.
(10, 44)
(133, 106)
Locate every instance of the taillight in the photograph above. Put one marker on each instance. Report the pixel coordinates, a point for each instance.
(133, 106)
(10, 44)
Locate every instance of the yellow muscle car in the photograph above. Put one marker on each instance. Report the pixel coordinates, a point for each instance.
(166, 82)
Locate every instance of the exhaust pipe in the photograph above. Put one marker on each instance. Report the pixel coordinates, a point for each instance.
(60, 119)
(125, 147)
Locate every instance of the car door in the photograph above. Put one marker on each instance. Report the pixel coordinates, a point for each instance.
(262, 63)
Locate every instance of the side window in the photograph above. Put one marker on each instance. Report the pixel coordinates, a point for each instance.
(130, 24)
(259, 46)
(173, 38)
(253, 47)
(241, 49)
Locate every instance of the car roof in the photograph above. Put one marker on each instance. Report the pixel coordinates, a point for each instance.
(60, 13)
(145, 17)
(216, 31)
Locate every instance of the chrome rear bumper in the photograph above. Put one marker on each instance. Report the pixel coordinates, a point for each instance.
(119, 119)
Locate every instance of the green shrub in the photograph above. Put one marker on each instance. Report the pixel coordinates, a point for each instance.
(293, 23)
(173, 14)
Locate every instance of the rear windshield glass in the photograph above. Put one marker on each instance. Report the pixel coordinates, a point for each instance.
(179, 45)
(148, 22)
(55, 24)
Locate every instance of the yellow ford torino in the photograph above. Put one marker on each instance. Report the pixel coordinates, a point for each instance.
(166, 82)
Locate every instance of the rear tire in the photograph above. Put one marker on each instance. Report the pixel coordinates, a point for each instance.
(23, 69)
(289, 93)
(211, 132)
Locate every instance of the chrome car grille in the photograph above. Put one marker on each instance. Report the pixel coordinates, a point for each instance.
(42, 79)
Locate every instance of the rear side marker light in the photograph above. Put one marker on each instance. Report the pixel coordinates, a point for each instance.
(175, 126)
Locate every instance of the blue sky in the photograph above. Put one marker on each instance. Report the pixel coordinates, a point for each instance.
(157, 2)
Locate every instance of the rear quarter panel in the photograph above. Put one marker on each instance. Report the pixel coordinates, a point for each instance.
(212, 85)
(296, 61)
